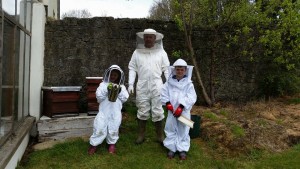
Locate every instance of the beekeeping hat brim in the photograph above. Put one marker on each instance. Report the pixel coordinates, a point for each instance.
(158, 35)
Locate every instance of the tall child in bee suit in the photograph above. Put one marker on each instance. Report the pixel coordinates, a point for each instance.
(108, 120)
(149, 61)
(178, 94)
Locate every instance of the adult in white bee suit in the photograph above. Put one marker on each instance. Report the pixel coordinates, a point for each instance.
(178, 94)
(149, 61)
(108, 120)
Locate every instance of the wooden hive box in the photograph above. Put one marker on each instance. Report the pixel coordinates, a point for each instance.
(92, 84)
(61, 100)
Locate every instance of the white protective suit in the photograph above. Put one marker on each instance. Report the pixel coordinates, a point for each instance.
(109, 117)
(178, 92)
(149, 64)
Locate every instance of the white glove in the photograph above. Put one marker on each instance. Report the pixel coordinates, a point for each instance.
(130, 89)
(132, 75)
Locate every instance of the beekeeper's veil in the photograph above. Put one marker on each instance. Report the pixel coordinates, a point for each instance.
(108, 71)
(140, 39)
(181, 62)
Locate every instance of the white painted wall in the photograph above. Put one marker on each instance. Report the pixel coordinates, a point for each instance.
(18, 154)
(52, 8)
(37, 59)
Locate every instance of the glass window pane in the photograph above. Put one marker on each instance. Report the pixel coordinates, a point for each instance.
(7, 68)
(2, 121)
(7, 87)
(9, 7)
(15, 64)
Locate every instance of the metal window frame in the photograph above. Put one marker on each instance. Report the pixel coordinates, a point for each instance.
(5, 17)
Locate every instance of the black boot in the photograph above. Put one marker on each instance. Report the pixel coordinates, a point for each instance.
(160, 131)
(141, 129)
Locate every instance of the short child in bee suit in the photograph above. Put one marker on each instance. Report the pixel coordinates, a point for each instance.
(179, 95)
(108, 120)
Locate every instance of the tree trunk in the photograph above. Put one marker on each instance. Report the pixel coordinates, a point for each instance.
(212, 76)
(198, 74)
(188, 27)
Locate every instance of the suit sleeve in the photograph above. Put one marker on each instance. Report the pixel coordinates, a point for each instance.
(101, 92)
(132, 69)
(164, 96)
(190, 97)
(165, 65)
(123, 95)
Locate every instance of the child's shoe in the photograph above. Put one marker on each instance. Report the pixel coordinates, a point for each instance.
(92, 150)
(182, 155)
(171, 154)
(112, 149)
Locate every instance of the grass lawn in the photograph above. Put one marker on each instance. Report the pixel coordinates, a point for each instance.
(73, 154)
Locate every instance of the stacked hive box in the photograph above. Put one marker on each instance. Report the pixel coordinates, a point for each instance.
(92, 84)
(61, 100)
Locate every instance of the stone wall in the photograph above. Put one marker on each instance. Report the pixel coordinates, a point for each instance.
(79, 48)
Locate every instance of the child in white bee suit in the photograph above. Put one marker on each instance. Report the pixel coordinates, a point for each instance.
(179, 95)
(108, 120)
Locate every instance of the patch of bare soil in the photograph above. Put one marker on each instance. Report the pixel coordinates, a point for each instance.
(233, 129)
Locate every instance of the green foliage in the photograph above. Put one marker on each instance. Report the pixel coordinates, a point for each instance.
(284, 160)
(181, 17)
(177, 54)
(279, 121)
(278, 82)
(224, 112)
(266, 32)
(212, 143)
(211, 116)
(294, 101)
(270, 37)
(279, 38)
(237, 131)
(255, 154)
